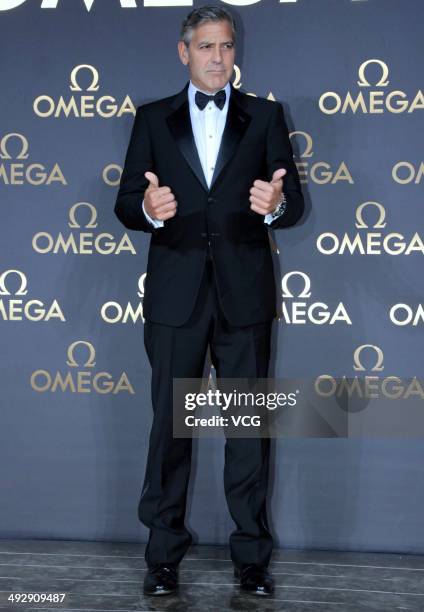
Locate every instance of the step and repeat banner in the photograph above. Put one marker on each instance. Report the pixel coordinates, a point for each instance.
(75, 380)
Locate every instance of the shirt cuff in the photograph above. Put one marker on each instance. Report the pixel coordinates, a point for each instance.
(154, 222)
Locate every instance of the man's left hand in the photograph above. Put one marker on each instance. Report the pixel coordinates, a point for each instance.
(264, 196)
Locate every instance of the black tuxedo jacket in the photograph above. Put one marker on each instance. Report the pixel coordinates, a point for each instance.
(254, 144)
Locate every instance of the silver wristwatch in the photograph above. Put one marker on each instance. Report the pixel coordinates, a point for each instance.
(280, 207)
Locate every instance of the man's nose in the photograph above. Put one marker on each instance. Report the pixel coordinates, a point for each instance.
(217, 56)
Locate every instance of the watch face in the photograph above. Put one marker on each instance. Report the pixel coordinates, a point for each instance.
(281, 206)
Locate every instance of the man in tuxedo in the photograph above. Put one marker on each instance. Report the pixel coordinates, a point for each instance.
(207, 172)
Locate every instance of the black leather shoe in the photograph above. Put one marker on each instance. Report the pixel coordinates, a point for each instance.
(161, 579)
(255, 579)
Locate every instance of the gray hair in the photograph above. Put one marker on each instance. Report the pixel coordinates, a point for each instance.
(201, 15)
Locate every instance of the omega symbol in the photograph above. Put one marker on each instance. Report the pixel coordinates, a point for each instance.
(378, 367)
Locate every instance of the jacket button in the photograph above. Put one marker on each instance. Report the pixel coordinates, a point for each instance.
(203, 234)
(210, 200)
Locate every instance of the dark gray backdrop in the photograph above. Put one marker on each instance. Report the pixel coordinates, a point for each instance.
(72, 461)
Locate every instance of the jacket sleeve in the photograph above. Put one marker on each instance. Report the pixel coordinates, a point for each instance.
(280, 155)
(129, 201)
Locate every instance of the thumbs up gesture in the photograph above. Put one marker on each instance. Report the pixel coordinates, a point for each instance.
(264, 196)
(159, 202)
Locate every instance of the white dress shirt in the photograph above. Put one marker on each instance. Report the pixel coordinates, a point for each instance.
(208, 126)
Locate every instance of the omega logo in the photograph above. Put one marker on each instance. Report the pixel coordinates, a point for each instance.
(405, 173)
(113, 312)
(78, 380)
(22, 289)
(6, 5)
(369, 243)
(237, 84)
(300, 312)
(18, 309)
(369, 386)
(111, 180)
(19, 173)
(404, 314)
(320, 172)
(377, 102)
(358, 365)
(83, 105)
(82, 242)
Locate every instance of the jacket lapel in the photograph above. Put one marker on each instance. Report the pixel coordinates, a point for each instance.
(179, 123)
(236, 124)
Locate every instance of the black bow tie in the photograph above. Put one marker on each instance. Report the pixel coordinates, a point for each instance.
(202, 99)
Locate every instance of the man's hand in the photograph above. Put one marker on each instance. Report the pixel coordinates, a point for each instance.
(159, 202)
(264, 196)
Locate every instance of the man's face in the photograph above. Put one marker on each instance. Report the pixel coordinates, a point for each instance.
(210, 55)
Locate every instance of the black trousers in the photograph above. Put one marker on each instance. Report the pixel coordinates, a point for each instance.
(180, 352)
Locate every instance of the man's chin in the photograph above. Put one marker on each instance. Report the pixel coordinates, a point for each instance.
(217, 79)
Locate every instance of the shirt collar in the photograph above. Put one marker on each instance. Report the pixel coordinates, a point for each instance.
(192, 92)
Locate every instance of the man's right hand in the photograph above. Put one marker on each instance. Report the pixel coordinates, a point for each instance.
(159, 202)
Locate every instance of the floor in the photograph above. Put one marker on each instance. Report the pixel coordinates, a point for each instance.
(101, 576)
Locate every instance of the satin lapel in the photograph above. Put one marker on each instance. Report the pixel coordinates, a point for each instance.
(179, 123)
(235, 126)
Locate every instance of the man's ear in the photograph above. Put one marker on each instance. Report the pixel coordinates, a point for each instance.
(183, 52)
